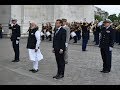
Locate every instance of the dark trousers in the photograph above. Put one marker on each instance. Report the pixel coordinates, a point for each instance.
(46, 37)
(0, 34)
(50, 37)
(84, 43)
(43, 37)
(106, 57)
(119, 38)
(16, 50)
(96, 38)
(88, 35)
(75, 39)
(60, 62)
(78, 35)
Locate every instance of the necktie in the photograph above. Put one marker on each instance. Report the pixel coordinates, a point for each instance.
(56, 31)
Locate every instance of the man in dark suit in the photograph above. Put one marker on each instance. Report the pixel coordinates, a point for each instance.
(59, 47)
(15, 37)
(106, 45)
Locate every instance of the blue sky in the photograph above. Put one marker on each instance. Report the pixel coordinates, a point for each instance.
(111, 9)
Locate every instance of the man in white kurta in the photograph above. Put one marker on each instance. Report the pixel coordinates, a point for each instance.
(35, 54)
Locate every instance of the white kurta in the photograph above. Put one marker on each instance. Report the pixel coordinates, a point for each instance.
(36, 55)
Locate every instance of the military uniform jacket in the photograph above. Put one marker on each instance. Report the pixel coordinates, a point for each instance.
(15, 32)
(67, 33)
(107, 37)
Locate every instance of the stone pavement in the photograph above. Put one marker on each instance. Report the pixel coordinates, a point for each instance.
(83, 67)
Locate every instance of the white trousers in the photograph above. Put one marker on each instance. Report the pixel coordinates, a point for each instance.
(35, 64)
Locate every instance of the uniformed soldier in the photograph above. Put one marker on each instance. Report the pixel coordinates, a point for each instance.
(49, 30)
(84, 35)
(73, 30)
(97, 32)
(43, 28)
(114, 26)
(118, 35)
(93, 30)
(106, 45)
(65, 26)
(89, 26)
(78, 31)
(15, 38)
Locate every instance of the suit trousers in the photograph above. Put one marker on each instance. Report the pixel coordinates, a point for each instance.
(106, 57)
(60, 62)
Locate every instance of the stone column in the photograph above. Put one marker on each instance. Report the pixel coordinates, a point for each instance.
(17, 12)
(5, 15)
(89, 12)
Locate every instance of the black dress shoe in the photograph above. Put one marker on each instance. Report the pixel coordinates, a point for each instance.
(59, 77)
(74, 42)
(83, 50)
(34, 71)
(15, 60)
(104, 71)
(55, 76)
(31, 69)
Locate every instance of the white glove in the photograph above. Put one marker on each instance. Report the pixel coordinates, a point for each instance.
(2, 30)
(17, 42)
(110, 48)
(61, 51)
(66, 44)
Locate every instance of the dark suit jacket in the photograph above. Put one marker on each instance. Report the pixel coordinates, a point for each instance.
(59, 39)
(107, 37)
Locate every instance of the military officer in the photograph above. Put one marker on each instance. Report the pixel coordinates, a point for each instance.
(43, 32)
(106, 45)
(118, 35)
(78, 31)
(97, 32)
(85, 35)
(15, 38)
(65, 26)
(49, 31)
